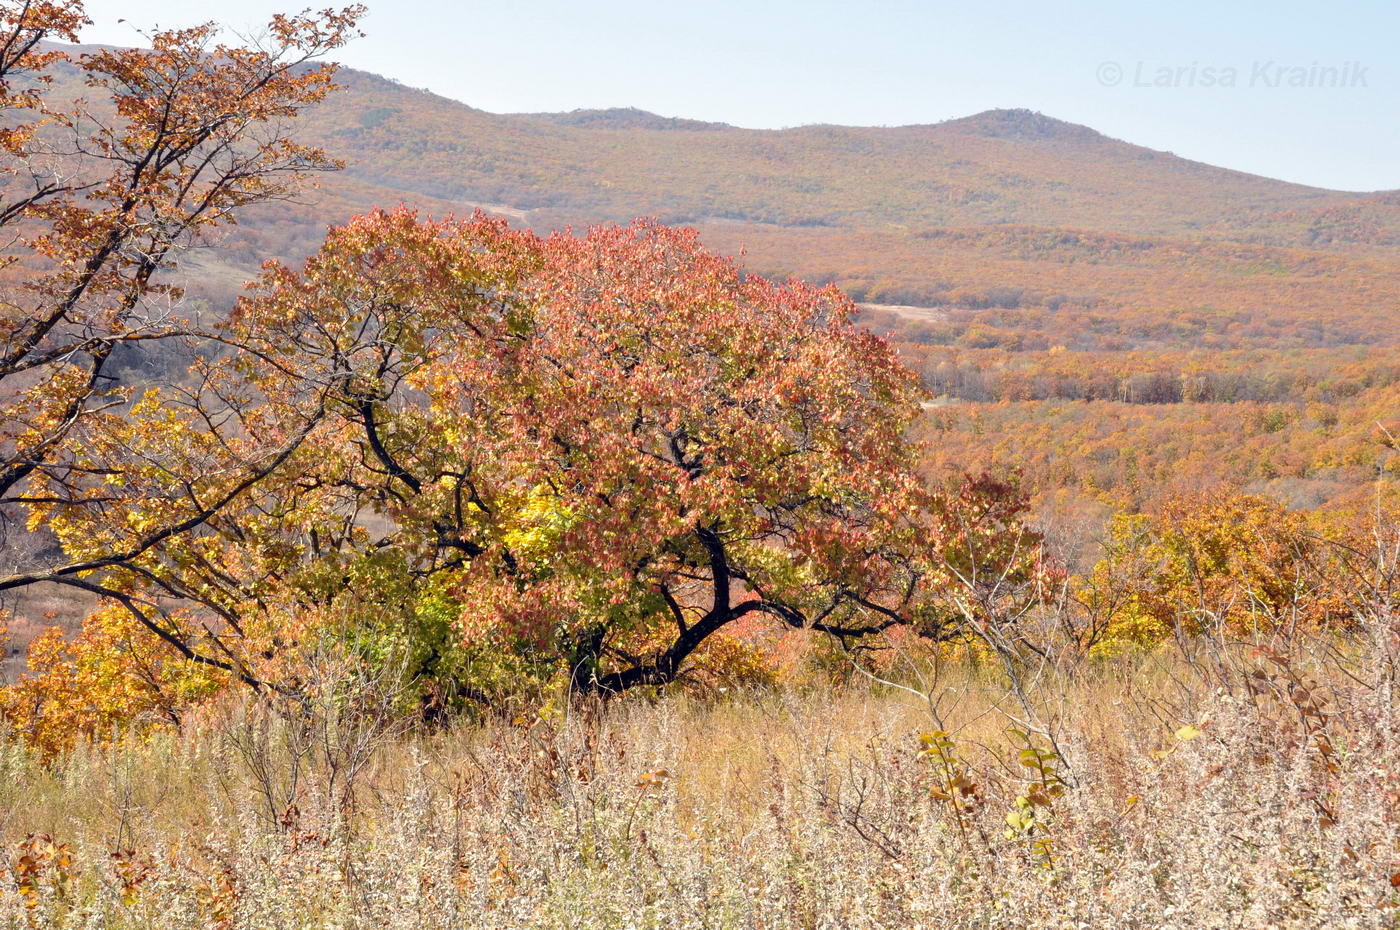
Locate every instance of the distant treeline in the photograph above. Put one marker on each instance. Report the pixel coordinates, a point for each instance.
(1074, 325)
(1316, 376)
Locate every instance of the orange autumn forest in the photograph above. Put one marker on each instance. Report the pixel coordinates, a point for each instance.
(421, 516)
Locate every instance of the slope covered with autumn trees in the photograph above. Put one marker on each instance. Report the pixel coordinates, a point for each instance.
(1004, 232)
(1119, 325)
(1003, 209)
(1044, 245)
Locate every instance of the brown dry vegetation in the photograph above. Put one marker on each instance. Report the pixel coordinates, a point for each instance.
(1202, 787)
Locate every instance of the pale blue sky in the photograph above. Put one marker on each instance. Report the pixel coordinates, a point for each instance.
(1156, 74)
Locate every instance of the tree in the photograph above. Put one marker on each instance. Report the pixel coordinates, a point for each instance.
(1219, 561)
(98, 201)
(575, 458)
(704, 446)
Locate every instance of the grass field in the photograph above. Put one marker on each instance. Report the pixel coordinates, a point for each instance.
(1192, 787)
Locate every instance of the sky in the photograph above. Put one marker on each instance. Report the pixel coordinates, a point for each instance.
(1303, 91)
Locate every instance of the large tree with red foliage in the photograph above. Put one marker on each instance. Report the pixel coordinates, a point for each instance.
(514, 457)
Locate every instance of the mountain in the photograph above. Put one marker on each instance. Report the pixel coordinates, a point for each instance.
(1006, 228)
(624, 118)
(998, 167)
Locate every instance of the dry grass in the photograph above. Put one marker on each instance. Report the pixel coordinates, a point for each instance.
(799, 809)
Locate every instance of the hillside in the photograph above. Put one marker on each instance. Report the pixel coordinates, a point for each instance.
(1003, 232)
(1003, 210)
(998, 167)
